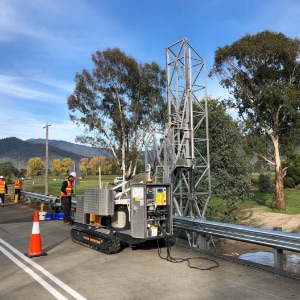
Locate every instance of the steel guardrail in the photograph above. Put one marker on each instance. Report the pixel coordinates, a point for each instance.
(266, 237)
(45, 198)
(260, 236)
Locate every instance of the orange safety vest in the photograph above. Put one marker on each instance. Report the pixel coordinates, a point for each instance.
(68, 189)
(2, 186)
(18, 184)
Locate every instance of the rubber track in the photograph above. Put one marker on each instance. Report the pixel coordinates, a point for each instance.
(110, 245)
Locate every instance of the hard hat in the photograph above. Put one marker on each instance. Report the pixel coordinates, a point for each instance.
(1, 177)
(149, 180)
(73, 174)
(22, 178)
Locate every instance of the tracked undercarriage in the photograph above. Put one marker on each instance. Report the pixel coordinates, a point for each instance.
(103, 242)
(105, 222)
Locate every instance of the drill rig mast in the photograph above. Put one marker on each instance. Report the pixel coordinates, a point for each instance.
(183, 157)
(106, 219)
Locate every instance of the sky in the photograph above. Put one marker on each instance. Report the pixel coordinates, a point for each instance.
(43, 43)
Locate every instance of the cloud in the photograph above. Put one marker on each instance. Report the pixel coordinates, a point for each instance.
(26, 125)
(44, 43)
(15, 21)
(60, 27)
(18, 87)
(53, 83)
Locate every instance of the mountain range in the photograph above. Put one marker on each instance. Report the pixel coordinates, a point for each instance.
(18, 152)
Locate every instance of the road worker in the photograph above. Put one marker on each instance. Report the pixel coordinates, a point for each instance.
(66, 192)
(18, 188)
(3, 190)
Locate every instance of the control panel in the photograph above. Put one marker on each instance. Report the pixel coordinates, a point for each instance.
(151, 209)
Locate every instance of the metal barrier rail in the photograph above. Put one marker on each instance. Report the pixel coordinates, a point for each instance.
(44, 198)
(279, 240)
(260, 236)
(40, 197)
(266, 237)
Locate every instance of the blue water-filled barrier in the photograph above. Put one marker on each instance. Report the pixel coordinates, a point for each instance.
(59, 216)
(49, 216)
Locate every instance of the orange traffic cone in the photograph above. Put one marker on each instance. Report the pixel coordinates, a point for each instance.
(35, 247)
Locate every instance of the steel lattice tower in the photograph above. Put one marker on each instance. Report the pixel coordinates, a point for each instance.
(186, 150)
(182, 158)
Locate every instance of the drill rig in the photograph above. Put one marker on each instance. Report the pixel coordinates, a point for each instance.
(105, 219)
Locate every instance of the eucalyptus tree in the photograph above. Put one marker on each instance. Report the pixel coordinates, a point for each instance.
(7, 169)
(117, 102)
(229, 163)
(262, 74)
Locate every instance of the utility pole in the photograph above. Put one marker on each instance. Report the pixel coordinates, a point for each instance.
(46, 162)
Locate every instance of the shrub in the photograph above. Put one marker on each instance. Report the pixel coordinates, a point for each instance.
(289, 182)
(266, 183)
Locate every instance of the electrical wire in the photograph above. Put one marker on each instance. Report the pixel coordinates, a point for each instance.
(244, 262)
(180, 260)
(253, 265)
(210, 253)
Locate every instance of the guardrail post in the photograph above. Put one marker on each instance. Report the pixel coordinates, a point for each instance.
(202, 242)
(278, 254)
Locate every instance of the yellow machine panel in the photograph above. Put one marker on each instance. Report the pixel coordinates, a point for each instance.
(160, 196)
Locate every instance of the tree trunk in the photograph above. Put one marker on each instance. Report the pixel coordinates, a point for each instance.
(279, 188)
(123, 158)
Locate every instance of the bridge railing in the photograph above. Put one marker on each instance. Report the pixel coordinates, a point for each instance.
(39, 197)
(275, 238)
(266, 237)
(45, 199)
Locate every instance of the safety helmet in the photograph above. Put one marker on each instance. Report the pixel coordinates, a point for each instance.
(22, 178)
(73, 174)
(149, 180)
(1, 177)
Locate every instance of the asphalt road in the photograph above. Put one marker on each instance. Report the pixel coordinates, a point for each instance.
(72, 271)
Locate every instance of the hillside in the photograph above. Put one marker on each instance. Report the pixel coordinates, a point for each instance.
(18, 152)
(71, 147)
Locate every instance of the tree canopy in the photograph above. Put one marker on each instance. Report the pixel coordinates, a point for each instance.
(7, 169)
(230, 166)
(35, 166)
(262, 74)
(117, 102)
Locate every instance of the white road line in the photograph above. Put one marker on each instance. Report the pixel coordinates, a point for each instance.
(40, 280)
(45, 272)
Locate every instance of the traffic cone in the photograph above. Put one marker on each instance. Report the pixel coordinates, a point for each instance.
(35, 247)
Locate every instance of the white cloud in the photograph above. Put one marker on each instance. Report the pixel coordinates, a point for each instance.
(26, 126)
(19, 87)
(13, 21)
(67, 28)
(53, 83)
(44, 42)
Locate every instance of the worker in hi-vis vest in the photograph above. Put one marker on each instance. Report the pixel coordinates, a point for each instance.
(18, 188)
(66, 192)
(3, 190)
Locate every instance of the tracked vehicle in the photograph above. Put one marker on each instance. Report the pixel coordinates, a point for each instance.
(107, 221)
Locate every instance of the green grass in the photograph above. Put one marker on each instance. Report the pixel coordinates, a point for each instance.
(261, 200)
(265, 201)
(292, 201)
(54, 186)
(37, 184)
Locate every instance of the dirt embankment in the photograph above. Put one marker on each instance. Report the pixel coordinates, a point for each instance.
(257, 218)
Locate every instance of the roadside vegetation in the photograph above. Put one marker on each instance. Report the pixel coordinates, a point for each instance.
(218, 208)
(37, 184)
(265, 201)
(254, 160)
